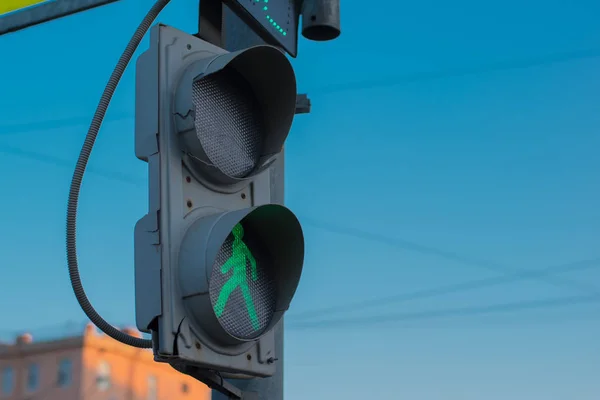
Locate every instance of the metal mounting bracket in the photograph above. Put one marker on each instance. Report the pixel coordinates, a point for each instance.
(302, 104)
(214, 380)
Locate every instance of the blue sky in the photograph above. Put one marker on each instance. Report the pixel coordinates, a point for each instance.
(448, 142)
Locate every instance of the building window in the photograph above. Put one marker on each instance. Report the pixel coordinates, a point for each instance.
(65, 371)
(152, 388)
(184, 388)
(7, 381)
(33, 377)
(103, 376)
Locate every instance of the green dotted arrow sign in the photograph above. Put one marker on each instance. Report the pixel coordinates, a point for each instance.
(278, 18)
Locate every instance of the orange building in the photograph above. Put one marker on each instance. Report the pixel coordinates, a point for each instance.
(90, 367)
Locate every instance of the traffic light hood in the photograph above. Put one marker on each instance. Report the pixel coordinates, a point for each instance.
(235, 106)
(270, 241)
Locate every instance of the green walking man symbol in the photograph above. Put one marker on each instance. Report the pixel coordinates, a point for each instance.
(237, 262)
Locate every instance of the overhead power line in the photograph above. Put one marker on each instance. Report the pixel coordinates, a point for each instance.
(358, 233)
(446, 289)
(70, 326)
(451, 256)
(342, 87)
(59, 123)
(52, 160)
(448, 312)
(511, 308)
(505, 65)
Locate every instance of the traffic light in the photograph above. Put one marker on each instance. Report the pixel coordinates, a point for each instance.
(216, 264)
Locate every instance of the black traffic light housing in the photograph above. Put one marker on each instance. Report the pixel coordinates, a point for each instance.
(216, 265)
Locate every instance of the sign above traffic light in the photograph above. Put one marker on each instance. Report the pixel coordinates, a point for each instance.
(10, 6)
(275, 20)
(21, 14)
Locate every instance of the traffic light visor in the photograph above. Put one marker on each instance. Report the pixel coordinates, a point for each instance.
(243, 105)
(253, 265)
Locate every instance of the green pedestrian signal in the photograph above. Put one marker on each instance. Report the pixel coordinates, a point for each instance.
(238, 262)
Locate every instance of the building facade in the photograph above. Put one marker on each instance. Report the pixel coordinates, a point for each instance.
(90, 367)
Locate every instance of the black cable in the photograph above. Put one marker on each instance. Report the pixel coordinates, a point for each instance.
(82, 161)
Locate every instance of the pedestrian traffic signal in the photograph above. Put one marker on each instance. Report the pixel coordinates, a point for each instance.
(216, 262)
(234, 255)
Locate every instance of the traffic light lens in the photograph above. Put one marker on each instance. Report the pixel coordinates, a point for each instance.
(242, 288)
(228, 122)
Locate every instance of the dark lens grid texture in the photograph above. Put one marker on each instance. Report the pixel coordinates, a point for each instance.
(235, 319)
(228, 122)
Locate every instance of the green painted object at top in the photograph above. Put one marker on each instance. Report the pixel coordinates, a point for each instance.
(240, 253)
